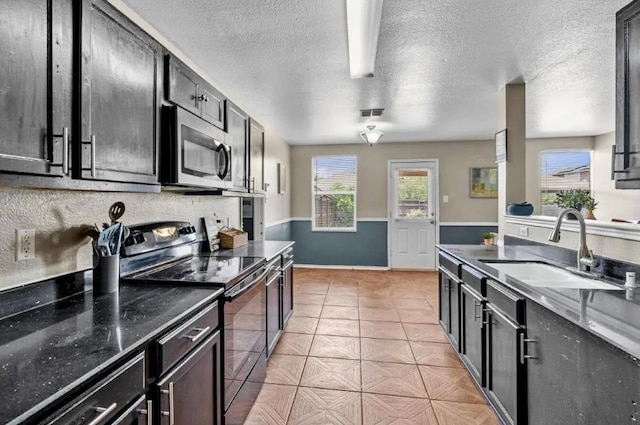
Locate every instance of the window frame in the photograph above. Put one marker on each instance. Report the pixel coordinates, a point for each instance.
(557, 150)
(315, 228)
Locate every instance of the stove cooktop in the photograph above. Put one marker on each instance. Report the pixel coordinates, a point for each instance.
(203, 269)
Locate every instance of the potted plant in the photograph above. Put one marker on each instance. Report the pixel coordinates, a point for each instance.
(590, 206)
(488, 238)
(575, 198)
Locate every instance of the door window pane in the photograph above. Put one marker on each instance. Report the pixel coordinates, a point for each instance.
(412, 193)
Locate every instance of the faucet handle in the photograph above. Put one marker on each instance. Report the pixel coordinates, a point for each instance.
(590, 261)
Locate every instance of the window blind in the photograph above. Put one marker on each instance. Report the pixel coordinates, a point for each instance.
(334, 192)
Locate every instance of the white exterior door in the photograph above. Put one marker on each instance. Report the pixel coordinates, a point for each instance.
(413, 212)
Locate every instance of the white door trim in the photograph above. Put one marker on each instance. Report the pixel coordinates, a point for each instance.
(436, 198)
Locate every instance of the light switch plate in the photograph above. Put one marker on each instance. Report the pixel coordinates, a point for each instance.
(25, 244)
(445, 199)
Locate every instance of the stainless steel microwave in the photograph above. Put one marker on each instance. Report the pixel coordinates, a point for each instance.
(193, 152)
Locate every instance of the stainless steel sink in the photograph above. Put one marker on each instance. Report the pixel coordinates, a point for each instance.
(547, 276)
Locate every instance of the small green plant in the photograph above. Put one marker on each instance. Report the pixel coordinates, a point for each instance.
(575, 198)
(488, 235)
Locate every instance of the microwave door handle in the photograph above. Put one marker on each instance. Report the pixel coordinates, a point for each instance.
(223, 173)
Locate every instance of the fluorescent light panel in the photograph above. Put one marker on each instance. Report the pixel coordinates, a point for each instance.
(363, 27)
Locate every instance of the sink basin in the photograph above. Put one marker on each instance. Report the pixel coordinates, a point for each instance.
(547, 276)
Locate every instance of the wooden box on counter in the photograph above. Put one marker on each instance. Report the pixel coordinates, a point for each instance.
(232, 238)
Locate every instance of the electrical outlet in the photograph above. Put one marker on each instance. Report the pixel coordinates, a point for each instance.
(524, 231)
(25, 244)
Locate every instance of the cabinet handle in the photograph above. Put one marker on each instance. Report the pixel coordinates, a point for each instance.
(148, 412)
(104, 412)
(201, 332)
(65, 149)
(488, 313)
(203, 98)
(92, 142)
(476, 304)
(170, 413)
(523, 344)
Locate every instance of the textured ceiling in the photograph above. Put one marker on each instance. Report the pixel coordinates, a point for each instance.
(439, 67)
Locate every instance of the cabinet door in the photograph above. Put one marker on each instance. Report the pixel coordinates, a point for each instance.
(120, 98)
(182, 85)
(237, 129)
(191, 392)
(443, 301)
(627, 152)
(505, 367)
(576, 376)
(256, 156)
(211, 105)
(454, 313)
(35, 85)
(472, 332)
(287, 293)
(273, 312)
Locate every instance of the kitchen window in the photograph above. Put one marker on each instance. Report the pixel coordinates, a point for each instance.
(333, 207)
(562, 170)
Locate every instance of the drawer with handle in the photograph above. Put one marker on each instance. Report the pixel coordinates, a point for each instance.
(287, 258)
(177, 343)
(108, 398)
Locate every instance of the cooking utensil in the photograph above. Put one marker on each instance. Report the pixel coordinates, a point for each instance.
(116, 211)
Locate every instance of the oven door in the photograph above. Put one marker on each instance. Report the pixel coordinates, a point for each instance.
(245, 333)
(200, 156)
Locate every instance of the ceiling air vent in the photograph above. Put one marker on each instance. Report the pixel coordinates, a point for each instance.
(367, 113)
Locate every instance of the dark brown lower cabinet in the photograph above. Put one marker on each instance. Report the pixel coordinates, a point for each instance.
(450, 306)
(274, 328)
(472, 341)
(287, 287)
(190, 393)
(574, 377)
(505, 369)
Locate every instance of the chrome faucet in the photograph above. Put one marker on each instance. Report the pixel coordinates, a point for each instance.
(585, 260)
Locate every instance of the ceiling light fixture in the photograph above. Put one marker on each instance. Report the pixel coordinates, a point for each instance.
(372, 135)
(363, 27)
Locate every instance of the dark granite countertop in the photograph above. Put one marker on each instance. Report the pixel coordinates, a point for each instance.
(265, 249)
(55, 335)
(612, 315)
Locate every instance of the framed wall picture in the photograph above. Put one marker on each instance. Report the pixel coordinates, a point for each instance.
(483, 182)
(501, 146)
(282, 179)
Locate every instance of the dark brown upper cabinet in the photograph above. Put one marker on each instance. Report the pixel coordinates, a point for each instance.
(118, 112)
(627, 151)
(237, 129)
(188, 90)
(256, 156)
(35, 86)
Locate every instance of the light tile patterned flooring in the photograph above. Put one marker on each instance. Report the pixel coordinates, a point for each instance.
(365, 347)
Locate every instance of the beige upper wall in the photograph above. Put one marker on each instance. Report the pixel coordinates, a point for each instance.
(612, 202)
(277, 206)
(455, 160)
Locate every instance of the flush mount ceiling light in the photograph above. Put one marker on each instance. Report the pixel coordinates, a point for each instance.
(363, 28)
(372, 135)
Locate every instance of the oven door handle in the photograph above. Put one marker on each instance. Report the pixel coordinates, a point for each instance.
(247, 288)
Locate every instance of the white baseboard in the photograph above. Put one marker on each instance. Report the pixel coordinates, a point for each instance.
(322, 266)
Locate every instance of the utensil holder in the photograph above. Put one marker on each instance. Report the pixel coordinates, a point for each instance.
(106, 274)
